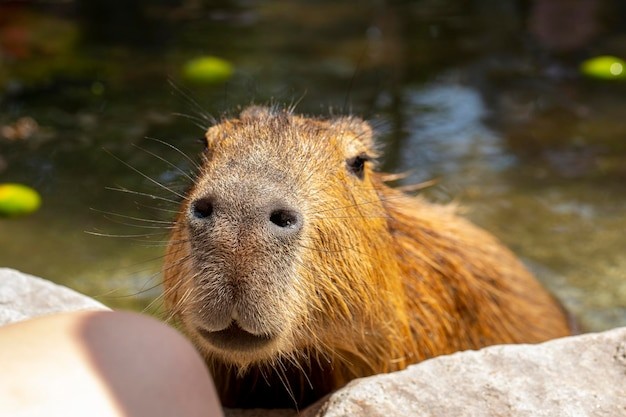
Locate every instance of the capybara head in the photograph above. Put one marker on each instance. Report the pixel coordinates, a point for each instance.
(295, 269)
(270, 255)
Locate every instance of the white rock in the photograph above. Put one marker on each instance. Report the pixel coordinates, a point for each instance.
(24, 296)
(576, 376)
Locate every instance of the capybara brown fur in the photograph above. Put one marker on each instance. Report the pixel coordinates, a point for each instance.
(294, 268)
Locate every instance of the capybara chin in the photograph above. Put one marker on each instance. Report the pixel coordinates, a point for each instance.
(294, 268)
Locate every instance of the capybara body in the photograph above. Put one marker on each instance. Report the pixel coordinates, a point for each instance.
(294, 268)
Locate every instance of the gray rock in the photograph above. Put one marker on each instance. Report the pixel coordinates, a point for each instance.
(24, 296)
(576, 376)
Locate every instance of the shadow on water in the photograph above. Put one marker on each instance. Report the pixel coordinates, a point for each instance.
(484, 96)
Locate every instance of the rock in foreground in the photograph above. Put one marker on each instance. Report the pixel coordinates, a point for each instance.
(575, 376)
(24, 296)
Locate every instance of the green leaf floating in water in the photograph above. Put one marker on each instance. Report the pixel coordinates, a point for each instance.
(604, 67)
(18, 200)
(208, 70)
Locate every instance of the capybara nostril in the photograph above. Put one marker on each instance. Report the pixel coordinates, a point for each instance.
(202, 208)
(287, 219)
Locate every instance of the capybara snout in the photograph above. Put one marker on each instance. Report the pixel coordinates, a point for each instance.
(244, 240)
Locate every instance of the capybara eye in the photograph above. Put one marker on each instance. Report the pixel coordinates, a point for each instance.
(356, 165)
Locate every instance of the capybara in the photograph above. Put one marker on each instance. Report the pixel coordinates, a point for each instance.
(294, 268)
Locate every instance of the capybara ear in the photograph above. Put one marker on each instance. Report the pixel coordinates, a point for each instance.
(356, 128)
(256, 112)
(212, 134)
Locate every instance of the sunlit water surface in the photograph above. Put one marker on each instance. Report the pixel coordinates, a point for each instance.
(530, 150)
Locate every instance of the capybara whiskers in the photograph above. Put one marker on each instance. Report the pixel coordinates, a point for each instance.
(141, 194)
(193, 163)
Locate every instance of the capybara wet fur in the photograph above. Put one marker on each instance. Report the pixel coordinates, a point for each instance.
(294, 268)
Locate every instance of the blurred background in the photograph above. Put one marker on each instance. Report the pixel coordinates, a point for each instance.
(516, 107)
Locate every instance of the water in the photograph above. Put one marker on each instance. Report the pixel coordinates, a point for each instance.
(483, 96)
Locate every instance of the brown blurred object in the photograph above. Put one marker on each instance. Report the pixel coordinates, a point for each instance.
(564, 25)
(14, 36)
(22, 129)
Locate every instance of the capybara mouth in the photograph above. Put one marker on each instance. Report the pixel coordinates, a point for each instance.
(234, 337)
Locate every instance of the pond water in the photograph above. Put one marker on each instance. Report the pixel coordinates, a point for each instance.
(485, 97)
